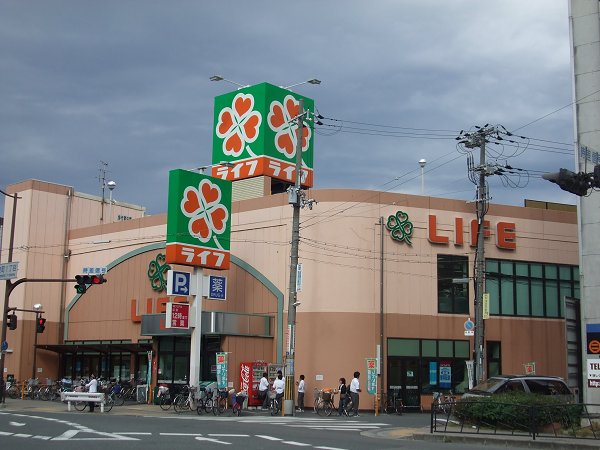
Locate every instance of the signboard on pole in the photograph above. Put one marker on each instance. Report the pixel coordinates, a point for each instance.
(215, 287)
(198, 220)
(486, 305)
(177, 315)
(372, 376)
(221, 370)
(8, 271)
(255, 128)
(179, 283)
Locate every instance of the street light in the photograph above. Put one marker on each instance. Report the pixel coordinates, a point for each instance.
(313, 81)
(7, 289)
(220, 78)
(111, 186)
(422, 163)
(38, 308)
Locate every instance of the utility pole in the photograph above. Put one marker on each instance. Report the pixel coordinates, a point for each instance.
(295, 200)
(477, 175)
(7, 290)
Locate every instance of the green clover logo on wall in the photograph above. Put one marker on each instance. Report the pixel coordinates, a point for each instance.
(400, 227)
(157, 272)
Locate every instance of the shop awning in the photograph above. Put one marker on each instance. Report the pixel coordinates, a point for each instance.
(79, 348)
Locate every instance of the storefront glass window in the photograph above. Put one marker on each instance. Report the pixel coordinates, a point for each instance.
(551, 299)
(429, 347)
(461, 349)
(492, 287)
(181, 365)
(551, 271)
(537, 298)
(446, 349)
(522, 298)
(453, 298)
(165, 368)
(508, 302)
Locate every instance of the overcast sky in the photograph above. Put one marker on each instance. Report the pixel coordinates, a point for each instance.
(127, 82)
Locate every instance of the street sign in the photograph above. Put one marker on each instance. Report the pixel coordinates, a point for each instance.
(4, 346)
(94, 270)
(178, 315)
(469, 327)
(215, 287)
(179, 283)
(8, 271)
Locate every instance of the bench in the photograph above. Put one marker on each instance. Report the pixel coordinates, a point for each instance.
(97, 397)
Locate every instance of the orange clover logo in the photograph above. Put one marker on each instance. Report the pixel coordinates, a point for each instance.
(207, 215)
(280, 120)
(238, 125)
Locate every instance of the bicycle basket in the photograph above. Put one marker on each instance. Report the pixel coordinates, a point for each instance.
(223, 394)
(327, 396)
(240, 399)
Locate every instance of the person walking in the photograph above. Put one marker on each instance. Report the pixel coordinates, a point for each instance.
(263, 389)
(343, 390)
(92, 387)
(279, 386)
(354, 391)
(300, 394)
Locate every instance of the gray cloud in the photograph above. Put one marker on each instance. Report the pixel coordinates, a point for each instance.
(126, 82)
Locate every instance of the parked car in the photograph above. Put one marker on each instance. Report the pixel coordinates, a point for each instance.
(531, 384)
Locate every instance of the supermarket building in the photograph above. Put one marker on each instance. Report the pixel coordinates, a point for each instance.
(366, 282)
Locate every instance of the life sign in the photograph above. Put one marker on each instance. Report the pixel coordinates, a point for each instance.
(198, 220)
(256, 130)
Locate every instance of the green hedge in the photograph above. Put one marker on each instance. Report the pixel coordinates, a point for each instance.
(518, 411)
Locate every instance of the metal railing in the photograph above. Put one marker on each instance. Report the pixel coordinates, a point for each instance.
(559, 420)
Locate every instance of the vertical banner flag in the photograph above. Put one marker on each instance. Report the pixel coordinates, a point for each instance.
(371, 375)
(445, 375)
(198, 220)
(256, 130)
(221, 370)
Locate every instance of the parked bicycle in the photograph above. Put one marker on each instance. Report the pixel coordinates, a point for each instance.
(220, 403)
(186, 401)
(274, 403)
(164, 398)
(393, 403)
(238, 402)
(443, 403)
(325, 403)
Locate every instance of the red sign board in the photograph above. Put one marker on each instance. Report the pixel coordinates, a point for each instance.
(178, 315)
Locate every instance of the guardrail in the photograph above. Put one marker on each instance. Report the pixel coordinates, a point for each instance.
(559, 420)
(97, 397)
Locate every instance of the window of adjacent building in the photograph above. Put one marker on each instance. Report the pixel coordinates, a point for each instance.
(494, 358)
(453, 298)
(519, 288)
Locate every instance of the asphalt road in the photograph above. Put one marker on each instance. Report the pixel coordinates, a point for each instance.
(28, 425)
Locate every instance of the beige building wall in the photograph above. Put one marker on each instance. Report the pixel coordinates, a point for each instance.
(338, 321)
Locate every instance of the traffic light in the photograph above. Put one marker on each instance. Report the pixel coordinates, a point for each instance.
(11, 321)
(84, 280)
(40, 325)
(575, 183)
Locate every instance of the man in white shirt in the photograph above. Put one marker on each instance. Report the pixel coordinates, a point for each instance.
(354, 390)
(300, 394)
(92, 387)
(263, 388)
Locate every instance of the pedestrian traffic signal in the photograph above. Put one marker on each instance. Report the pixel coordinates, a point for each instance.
(84, 280)
(40, 325)
(11, 321)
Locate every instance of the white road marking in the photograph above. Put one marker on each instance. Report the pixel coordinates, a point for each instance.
(269, 438)
(69, 435)
(17, 424)
(21, 435)
(330, 448)
(45, 438)
(5, 433)
(299, 444)
(216, 441)
(228, 435)
(180, 434)
(133, 433)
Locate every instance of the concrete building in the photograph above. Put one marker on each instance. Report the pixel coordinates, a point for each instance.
(378, 269)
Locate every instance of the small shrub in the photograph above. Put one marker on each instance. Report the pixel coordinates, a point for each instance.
(517, 411)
